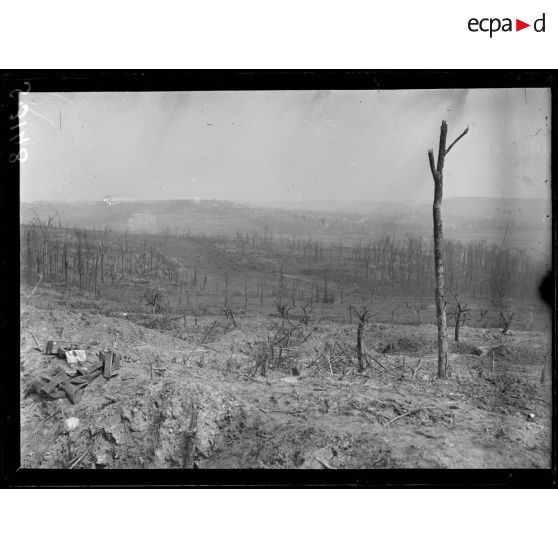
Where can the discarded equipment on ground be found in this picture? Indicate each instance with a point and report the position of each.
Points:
(71, 382)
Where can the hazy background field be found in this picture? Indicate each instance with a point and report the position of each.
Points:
(236, 254)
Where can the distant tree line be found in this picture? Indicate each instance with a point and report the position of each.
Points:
(87, 259)
(396, 266)
(271, 269)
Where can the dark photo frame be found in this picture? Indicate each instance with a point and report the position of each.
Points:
(13, 475)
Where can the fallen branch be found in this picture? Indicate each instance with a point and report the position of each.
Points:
(406, 414)
(208, 333)
(323, 463)
(78, 460)
(38, 425)
(33, 291)
(378, 362)
(371, 419)
(416, 369)
(35, 339)
(46, 418)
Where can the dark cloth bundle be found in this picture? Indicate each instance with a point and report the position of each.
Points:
(60, 384)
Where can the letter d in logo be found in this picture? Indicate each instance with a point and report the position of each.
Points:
(539, 24)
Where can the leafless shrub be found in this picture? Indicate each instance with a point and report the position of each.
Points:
(307, 310)
(154, 297)
(283, 310)
(460, 315)
(506, 319)
(260, 359)
(229, 315)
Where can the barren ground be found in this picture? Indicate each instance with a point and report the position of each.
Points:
(211, 408)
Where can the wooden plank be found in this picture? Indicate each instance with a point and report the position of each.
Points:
(107, 367)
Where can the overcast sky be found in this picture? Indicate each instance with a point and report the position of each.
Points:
(284, 145)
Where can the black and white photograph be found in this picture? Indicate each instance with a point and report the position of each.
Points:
(294, 279)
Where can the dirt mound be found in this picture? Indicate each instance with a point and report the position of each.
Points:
(520, 353)
(464, 348)
(400, 346)
(197, 402)
(167, 424)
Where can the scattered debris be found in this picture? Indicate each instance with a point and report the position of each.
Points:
(107, 360)
(51, 348)
(247, 421)
(76, 357)
(71, 382)
(406, 414)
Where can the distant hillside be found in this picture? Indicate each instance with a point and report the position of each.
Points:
(496, 208)
(144, 216)
(360, 207)
(463, 208)
(523, 223)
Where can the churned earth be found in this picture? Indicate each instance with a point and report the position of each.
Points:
(265, 392)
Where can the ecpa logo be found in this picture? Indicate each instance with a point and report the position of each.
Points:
(494, 24)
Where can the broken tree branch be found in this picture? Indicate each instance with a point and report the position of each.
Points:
(455, 141)
(416, 369)
(406, 414)
(35, 339)
(74, 463)
(377, 362)
(33, 291)
(323, 463)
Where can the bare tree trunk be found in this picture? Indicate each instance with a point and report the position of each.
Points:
(96, 267)
(66, 263)
(438, 175)
(360, 330)
(460, 315)
(363, 316)
(245, 289)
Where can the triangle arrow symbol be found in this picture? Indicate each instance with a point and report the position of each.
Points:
(519, 25)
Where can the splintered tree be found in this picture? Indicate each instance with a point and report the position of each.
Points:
(438, 175)
(506, 319)
(459, 315)
(363, 316)
(154, 297)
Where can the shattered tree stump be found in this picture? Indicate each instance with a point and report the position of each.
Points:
(111, 361)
